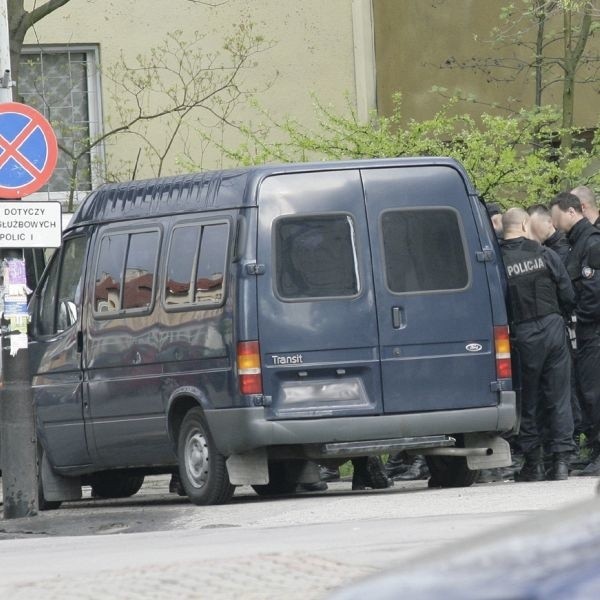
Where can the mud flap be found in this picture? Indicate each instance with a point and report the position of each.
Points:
(55, 487)
(500, 456)
(249, 468)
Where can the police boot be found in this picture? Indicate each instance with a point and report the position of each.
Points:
(533, 468)
(417, 470)
(560, 466)
(369, 473)
(397, 464)
(593, 469)
(377, 477)
(317, 486)
(329, 473)
(175, 485)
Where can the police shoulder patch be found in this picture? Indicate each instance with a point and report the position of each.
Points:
(587, 272)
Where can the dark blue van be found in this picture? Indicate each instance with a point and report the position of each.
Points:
(242, 326)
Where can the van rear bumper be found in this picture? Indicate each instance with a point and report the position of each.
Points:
(238, 430)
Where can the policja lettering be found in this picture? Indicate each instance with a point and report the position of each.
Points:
(525, 266)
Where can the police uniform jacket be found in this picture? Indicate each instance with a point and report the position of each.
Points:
(560, 244)
(583, 270)
(538, 282)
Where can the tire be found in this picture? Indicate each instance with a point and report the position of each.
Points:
(115, 484)
(202, 469)
(281, 481)
(450, 471)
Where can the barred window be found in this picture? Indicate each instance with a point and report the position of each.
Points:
(62, 84)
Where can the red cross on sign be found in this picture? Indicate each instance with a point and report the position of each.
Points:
(28, 150)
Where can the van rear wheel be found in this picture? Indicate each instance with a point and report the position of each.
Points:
(450, 471)
(202, 469)
(115, 484)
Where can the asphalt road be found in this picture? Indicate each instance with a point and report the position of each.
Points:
(302, 546)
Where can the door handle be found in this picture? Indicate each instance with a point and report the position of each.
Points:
(398, 317)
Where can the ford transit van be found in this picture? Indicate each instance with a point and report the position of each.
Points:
(244, 326)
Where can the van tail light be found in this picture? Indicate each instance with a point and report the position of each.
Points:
(248, 366)
(502, 345)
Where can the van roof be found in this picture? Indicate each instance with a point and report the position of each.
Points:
(212, 190)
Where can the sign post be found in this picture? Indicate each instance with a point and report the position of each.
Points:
(28, 153)
(5, 78)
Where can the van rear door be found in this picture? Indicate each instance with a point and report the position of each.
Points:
(432, 295)
(316, 306)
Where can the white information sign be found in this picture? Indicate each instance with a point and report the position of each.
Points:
(30, 224)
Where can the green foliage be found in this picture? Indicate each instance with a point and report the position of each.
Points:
(511, 159)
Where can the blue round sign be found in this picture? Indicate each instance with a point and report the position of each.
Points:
(28, 150)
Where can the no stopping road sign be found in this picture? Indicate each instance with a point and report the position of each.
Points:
(28, 150)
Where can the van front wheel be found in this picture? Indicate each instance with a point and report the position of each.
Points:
(202, 469)
(450, 471)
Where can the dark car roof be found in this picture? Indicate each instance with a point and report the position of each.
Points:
(209, 190)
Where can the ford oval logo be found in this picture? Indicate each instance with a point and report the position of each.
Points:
(474, 347)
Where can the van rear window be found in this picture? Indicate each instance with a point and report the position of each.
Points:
(423, 250)
(316, 257)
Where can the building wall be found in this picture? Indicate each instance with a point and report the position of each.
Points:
(312, 51)
(415, 40)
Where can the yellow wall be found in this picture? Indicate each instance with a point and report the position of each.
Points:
(415, 38)
(312, 50)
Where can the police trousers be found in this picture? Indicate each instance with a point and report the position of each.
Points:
(546, 383)
(587, 367)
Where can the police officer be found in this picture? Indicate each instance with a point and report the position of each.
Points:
(582, 266)
(539, 292)
(589, 205)
(495, 212)
(543, 231)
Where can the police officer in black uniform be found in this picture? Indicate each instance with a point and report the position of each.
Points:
(589, 204)
(543, 231)
(539, 292)
(583, 267)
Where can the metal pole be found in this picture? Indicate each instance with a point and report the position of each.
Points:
(18, 442)
(5, 71)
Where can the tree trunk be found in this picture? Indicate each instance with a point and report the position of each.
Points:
(573, 50)
(19, 22)
(540, 15)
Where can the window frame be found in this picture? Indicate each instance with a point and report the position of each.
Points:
(194, 306)
(94, 105)
(355, 248)
(59, 256)
(129, 231)
(463, 240)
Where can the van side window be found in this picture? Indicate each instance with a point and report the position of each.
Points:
(196, 265)
(316, 257)
(423, 250)
(60, 294)
(140, 270)
(126, 271)
(107, 294)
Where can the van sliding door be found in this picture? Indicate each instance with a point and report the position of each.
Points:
(432, 296)
(317, 321)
